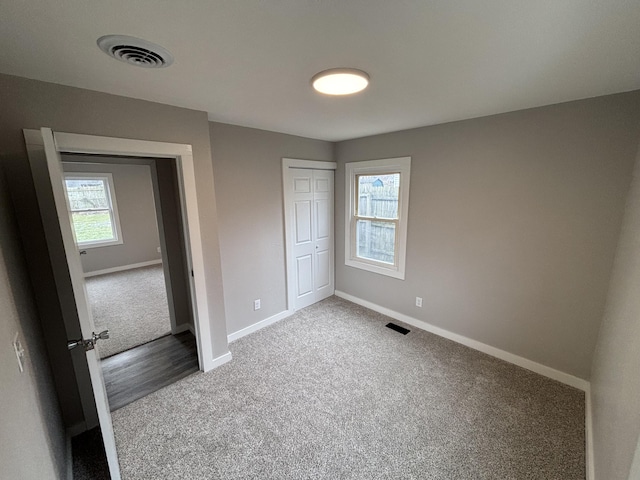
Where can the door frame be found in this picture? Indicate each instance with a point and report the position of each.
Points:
(287, 165)
(183, 156)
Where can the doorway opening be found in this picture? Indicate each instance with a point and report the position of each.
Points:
(126, 217)
(63, 283)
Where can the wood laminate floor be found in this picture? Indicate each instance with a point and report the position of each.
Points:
(142, 370)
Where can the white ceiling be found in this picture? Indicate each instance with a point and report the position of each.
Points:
(249, 62)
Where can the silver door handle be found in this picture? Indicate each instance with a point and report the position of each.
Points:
(103, 335)
(89, 344)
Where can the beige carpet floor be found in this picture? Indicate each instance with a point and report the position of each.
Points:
(330, 393)
(132, 305)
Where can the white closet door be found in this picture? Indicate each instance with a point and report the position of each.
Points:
(312, 232)
(323, 223)
(303, 237)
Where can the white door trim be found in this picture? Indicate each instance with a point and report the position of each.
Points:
(287, 164)
(182, 154)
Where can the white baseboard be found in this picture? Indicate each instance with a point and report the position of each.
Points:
(588, 433)
(219, 361)
(122, 268)
(543, 370)
(184, 327)
(258, 326)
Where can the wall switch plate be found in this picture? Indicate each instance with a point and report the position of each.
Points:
(419, 302)
(159, 250)
(17, 347)
(256, 304)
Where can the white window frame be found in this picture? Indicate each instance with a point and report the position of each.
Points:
(401, 165)
(113, 208)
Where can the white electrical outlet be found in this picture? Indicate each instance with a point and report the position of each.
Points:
(159, 250)
(419, 302)
(256, 304)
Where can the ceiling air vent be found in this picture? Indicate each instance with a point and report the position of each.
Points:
(135, 51)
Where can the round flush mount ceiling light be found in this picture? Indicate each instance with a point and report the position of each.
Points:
(135, 51)
(340, 81)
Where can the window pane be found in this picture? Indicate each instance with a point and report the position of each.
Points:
(93, 226)
(376, 240)
(378, 195)
(86, 194)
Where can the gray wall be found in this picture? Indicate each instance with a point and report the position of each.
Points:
(168, 199)
(615, 387)
(134, 197)
(42, 271)
(513, 225)
(33, 104)
(247, 166)
(32, 436)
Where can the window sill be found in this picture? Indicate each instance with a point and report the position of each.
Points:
(84, 246)
(390, 271)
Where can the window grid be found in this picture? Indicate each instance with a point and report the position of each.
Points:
(377, 193)
(358, 217)
(103, 201)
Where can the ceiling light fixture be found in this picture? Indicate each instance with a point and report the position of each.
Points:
(340, 81)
